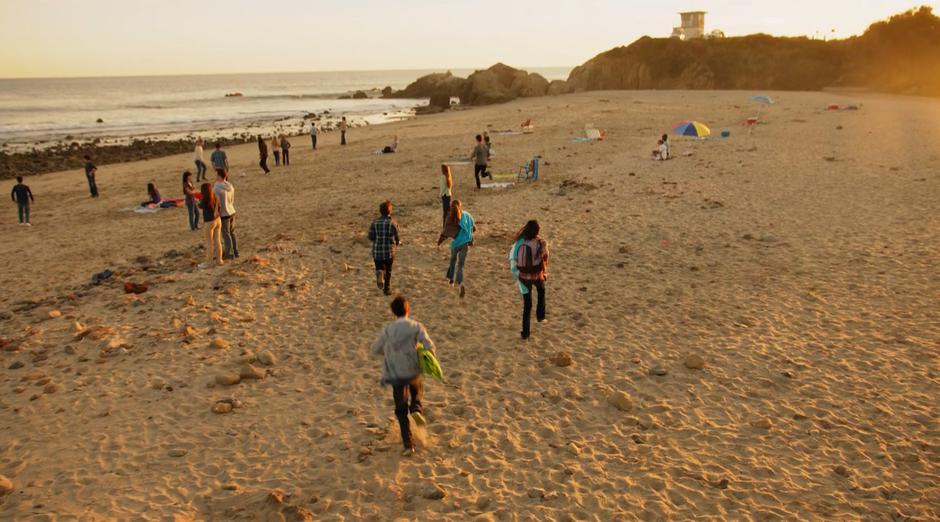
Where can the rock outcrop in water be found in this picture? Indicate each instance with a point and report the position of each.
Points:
(500, 83)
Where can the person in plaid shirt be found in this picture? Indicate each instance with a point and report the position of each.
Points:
(383, 232)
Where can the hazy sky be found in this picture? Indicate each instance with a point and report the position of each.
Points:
(136, 37)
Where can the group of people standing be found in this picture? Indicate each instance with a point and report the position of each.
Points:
(280, 147)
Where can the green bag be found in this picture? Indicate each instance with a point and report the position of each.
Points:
(428, 363)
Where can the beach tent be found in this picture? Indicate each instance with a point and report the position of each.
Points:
(692, 128)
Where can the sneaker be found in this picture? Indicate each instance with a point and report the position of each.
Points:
(419, 419)
(379, 279)
(28, 224)
(409, 452)
(463, 291)
(543, 321)
(202, 265)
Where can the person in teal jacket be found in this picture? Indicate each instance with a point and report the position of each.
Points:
(459, 226)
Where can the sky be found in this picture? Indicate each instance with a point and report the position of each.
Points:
(67, 38)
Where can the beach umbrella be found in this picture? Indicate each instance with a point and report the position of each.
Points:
(692, 128)
(766, 100)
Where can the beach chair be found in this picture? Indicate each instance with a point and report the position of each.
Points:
(530, 171)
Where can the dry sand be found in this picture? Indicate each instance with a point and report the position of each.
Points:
(799, 264)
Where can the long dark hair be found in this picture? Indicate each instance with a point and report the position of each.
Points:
(529, 231)
(208, 197)
(151, 189)
(456, 210)
(186, 175)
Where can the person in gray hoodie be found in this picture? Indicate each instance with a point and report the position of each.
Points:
(398, 344)
(225, 192)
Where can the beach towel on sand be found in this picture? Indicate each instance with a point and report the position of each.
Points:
(514, 268)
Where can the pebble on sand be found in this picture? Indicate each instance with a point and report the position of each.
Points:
(562, 359)
(249, 371)
(621, 401)
(222, 407)
(227, 378)
(220, 343)
(658, 370)
(177, 452)
(694, 362)
(135, 288)
(50, 388)
(16, 365)
(763, 424)
(267, 358)
(6, 485)
(574, 449)
(54, 313)
(434, 492)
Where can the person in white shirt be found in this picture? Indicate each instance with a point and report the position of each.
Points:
(200, 164)
(313, 135)
(225, 192)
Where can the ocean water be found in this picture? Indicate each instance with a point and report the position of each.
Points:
(38, 112)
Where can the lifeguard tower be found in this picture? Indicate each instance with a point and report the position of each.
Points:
(693, 26)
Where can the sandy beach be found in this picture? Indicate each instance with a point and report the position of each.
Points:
(752, 327)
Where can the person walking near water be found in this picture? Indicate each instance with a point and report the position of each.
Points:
(480, 157)
(383, 232)
(285, 150)
(397, 344)
(219, 160)
(91, 172)
(343, 127)
(447, 184)
(22, 196)
(263, 155)
(276, 150)
(189, 192)
(528, 262)
(200, 164)
(210, 216)
(459, 226)
(225, 193)
(313, 135)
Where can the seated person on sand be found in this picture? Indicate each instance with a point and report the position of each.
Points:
(389, 149)
(153, 194)
(661, 153)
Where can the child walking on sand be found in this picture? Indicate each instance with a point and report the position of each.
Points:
(459, 226)
(397, 343)
(528, 261)
(22, 196)
(383, 232)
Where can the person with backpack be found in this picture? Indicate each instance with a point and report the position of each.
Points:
(459, 226)
(398, 344)
(528, 261)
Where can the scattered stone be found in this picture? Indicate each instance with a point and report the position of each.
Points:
(694, 362)
(189, 332)
(658, 370)
(841, 471)
(221, 407)
(6, 485)
(69, 349)
(250, 371)
(54, 313)
(135, 288)
(16, 365)
(621, 401)
(638, 439)
(267, 358)
(574, 449)
(434, 492)
(762, 424)
(227, 378)
(562, 359)
(721, 484)
(538, 493)
(230, 487)
(221, 343)
(50, 388)
(177, 453)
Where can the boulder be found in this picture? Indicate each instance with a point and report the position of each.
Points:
(387, 92)
(694, 362)
(135, 288)
(359, 95)
(621, 401)
(441, 100)
(6, 485)
(558, 87)
(431, 84)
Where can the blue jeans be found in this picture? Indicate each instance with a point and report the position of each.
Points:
(22, 209)
(193, 209)
(200, 170)
(92, 185)
(457, 256)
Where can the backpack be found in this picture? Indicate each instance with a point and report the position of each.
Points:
(529, 257)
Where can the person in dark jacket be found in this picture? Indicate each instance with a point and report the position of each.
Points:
(263, 154)
(22, 196)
